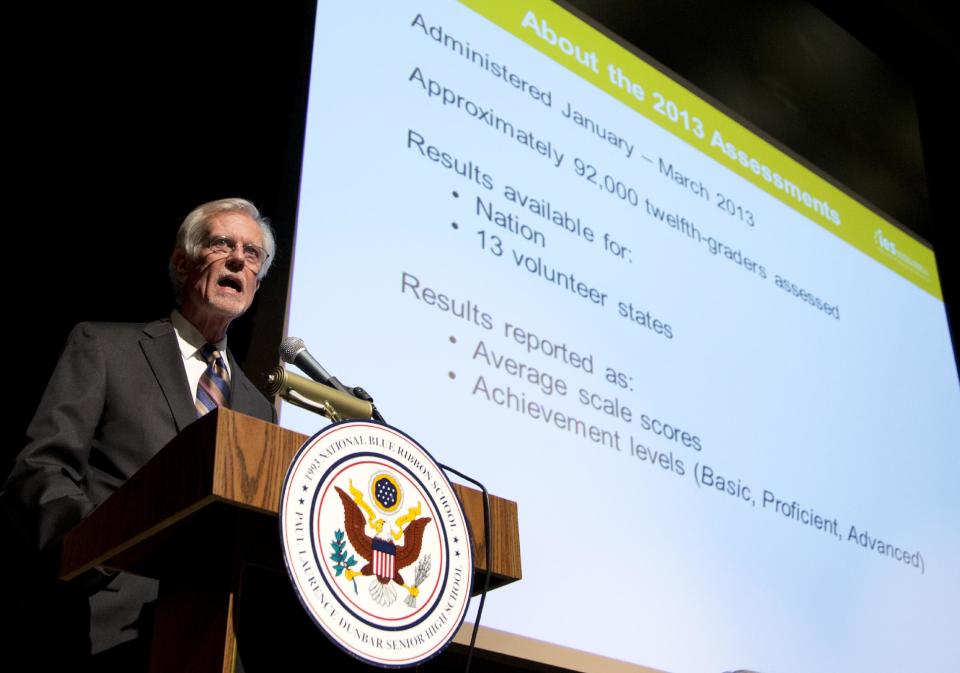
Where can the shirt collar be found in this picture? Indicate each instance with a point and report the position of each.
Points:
(189, 338)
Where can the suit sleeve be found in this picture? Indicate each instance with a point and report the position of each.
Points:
(45, 489)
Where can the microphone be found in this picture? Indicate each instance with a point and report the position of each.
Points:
(294, 351)
(317, 397)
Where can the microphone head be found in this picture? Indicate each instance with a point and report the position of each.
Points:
(289, 348)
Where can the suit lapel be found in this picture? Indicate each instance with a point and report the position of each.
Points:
(240, 388)
(162, 352)
(247, 399)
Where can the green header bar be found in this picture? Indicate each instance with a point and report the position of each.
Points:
(607, 65)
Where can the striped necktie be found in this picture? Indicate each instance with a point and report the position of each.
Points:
(213, 390)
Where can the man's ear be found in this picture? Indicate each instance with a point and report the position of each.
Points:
(180, 262)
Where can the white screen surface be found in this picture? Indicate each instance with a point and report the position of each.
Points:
(676, 526)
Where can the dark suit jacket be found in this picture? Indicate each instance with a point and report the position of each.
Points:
(118, 395)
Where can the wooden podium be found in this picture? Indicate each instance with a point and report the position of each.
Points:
(203, 512)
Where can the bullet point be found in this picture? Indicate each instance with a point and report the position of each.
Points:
(453, 339)
(452, 375)
(455, 195)
(454, 225)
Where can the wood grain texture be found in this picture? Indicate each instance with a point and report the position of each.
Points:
(251, 461)
(504, 533)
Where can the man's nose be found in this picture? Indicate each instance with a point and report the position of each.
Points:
(235, 259)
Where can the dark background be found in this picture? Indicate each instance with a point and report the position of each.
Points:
(122, 119)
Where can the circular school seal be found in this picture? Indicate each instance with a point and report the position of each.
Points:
(376, 543)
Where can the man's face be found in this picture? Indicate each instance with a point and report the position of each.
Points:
(219, 286)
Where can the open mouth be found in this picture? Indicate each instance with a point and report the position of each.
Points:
(231, 283)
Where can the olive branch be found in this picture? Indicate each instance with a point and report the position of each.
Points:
(339, 556)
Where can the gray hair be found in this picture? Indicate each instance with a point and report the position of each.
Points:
(196, 226)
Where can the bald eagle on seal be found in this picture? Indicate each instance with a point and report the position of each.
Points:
(384, 558)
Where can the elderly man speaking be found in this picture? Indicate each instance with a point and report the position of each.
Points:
(119, 393)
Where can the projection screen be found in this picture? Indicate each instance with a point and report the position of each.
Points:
(720, 388)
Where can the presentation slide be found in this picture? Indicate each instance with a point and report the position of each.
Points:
(720, 389)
